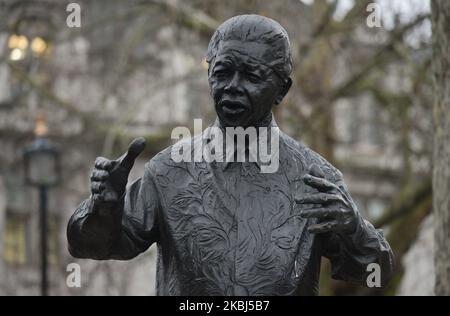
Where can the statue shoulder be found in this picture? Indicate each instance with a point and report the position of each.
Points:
(165, 158)
(307, 157)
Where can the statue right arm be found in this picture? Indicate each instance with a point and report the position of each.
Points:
(120, 231)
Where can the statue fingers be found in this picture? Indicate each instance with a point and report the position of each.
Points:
(321, 184)
(320, 198)
(97, 187)
(99, 175)
(104, 163)
(321, 213)
(315, 171)
(324, 227)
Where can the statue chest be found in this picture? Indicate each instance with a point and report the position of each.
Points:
(238, 230)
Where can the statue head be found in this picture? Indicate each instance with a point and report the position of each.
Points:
(250, 63)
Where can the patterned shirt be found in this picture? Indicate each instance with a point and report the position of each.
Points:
(228, 229)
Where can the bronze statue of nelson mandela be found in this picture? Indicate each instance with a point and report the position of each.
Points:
(226, 228)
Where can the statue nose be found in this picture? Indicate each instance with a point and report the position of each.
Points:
(233, 86)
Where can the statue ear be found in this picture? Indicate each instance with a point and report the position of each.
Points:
(284, 90)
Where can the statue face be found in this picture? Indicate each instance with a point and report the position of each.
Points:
(243, 85)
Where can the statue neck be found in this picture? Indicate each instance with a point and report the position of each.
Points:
(265, 122)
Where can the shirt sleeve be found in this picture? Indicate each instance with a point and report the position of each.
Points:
(117, 234)
(353, 255)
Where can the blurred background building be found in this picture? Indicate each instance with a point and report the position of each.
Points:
(361, 97)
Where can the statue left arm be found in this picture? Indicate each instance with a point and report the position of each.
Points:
(351, 255)
(349, 241)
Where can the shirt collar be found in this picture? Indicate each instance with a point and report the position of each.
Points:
(253, 159)
(271, 123)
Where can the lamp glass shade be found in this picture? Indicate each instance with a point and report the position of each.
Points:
(42, 164)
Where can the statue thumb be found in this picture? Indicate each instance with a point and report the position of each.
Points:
(134, 150)
(315, 171)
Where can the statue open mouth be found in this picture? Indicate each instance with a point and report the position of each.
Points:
(232, 107)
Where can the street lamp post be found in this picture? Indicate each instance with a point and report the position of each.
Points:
(43, 171)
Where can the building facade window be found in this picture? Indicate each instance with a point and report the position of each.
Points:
(21, 234)
(15, 239)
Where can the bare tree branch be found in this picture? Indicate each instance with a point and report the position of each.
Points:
(380, 58)
(407, 203)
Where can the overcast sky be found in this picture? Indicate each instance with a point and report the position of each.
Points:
(406, 10)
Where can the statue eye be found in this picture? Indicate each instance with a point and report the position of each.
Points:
(221, 72)
(253, 77)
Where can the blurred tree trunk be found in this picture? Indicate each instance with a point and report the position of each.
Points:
(2, 229)
(441, 154)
